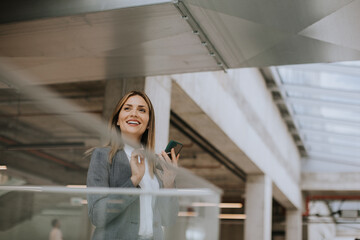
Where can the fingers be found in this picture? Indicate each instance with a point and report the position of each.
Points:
(161, 158)
(174, 159)
(137, 164)
(165, 157)
(138, 156)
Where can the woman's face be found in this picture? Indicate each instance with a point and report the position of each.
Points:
(134, 118)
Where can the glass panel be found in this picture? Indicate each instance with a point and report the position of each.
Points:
(319, 79)
(178, 214)
(340, 151)
(326, 112)
(349, 63)
(341, 141)
(330, 127)
(322, 97)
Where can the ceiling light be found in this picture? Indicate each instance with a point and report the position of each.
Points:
(230, 205)
(3, 167)
(220, 205)
(187, 214)
(203, 204)
(232, 216)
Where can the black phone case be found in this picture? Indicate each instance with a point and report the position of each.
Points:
(173, 144)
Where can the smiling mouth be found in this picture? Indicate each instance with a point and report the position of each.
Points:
(133, 122)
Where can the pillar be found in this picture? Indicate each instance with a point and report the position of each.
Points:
(116, 88)
(159, 91)
(258, 207)
(293, 229)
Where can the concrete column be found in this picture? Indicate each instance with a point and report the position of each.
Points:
(116, 88)
(293, 229)
(159, 91)
(258, 207)
(87, 228)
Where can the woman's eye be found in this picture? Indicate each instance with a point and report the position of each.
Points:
(126, 108)
(142, 110)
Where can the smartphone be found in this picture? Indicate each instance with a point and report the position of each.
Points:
(173, 144)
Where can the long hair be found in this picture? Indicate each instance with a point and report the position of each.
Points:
(148, 137)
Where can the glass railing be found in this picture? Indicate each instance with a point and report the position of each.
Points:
(28, 212)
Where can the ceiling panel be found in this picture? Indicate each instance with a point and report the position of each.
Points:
(23, 10)
(257, 33)
(121, 42)
(339, 27)
(324, 104)
(288, 16)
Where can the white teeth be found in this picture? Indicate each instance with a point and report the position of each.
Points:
(133, 122)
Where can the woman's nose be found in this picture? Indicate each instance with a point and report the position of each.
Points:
(133, 112)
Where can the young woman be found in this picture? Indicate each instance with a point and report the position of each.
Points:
(119, 165)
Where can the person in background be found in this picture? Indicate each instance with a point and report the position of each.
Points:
(55, 233)
(120, 165)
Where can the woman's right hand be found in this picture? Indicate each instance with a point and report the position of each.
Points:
(137, 164)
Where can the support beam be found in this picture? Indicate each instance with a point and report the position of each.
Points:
(159, 91)
(293, 229)
(116, 88)
(258, 208)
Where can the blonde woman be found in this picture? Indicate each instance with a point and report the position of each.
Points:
(120, 165)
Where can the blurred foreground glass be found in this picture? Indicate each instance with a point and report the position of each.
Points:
(45, 130)
(27, 212)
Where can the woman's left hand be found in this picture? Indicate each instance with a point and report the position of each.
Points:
(168, 174)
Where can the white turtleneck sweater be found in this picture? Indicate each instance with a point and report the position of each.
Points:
(146, 201)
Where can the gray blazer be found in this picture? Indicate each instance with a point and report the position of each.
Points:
(118, 216)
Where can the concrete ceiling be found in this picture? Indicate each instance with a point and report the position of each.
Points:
(141, 41)
(250, 33)
(81, 41)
